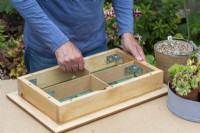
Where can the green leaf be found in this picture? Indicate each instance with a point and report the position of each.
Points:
(178, 35)
(150, 59)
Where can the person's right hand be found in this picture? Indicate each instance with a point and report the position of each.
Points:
(69, 58)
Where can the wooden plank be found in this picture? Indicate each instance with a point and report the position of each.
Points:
(38, 98)
(54, 127)
(52, 76)
(98, 62)
(111, 96)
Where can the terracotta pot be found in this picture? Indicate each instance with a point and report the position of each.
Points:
(194, 95)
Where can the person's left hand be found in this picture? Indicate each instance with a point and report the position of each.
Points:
(131, 46)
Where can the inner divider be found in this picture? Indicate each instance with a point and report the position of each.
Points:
(50, 77)
(99, 63)
(110, 76)
(75, 88)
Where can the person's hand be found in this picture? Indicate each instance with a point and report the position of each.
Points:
(130, 45)
(69, 58)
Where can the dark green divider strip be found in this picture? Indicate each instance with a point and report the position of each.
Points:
(76, 95)
(121, 80)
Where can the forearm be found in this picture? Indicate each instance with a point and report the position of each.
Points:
(124, 15)
(39, 21)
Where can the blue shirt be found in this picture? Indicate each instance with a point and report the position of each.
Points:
(51, 23)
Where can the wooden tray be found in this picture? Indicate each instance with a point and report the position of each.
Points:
(109, 78)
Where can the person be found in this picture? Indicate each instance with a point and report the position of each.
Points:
(62, 32)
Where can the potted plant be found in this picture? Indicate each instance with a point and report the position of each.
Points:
(183, 91)
(186, 79)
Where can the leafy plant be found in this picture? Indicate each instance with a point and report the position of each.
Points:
(150, 59)
(2, 37)
(6, 6)
(185, 77)
(12, 57)
(158, 20)
(111, 26)
(183, 88)
(193, 26)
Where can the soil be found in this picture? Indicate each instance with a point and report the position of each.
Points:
(194, 95)
(174, 47)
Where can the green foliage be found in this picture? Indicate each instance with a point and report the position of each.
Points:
(185, 77)
(111, 26)
(150, 59)
(6, 6)
(2, 37)
(194, 27)
(175, 69)
(9, 17)
(194, 82)
(183, 88)
(12, 58)
(11, 44)
(158, 20)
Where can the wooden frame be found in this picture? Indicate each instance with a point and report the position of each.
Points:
(58, 128)
(101, 69)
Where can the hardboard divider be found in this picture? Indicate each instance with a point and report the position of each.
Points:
(53, 76)
(76, 86)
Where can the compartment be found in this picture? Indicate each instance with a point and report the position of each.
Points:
(70, 90)
(106, 60)
(122, 73)
(53, 76)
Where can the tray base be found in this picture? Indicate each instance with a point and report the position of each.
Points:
(54, 127)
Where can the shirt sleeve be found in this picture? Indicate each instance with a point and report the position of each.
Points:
(39, 21)
(124, 14)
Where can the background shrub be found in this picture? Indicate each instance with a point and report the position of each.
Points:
(158, 19)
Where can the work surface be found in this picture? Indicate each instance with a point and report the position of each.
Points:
(151, 117)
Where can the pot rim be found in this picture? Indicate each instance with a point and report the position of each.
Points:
(172, 54)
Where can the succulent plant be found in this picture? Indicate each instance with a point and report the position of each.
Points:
(185, 77)
(183, 87)
(175, 69)
(194, 83)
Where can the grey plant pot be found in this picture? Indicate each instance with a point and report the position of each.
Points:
(183, 108)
